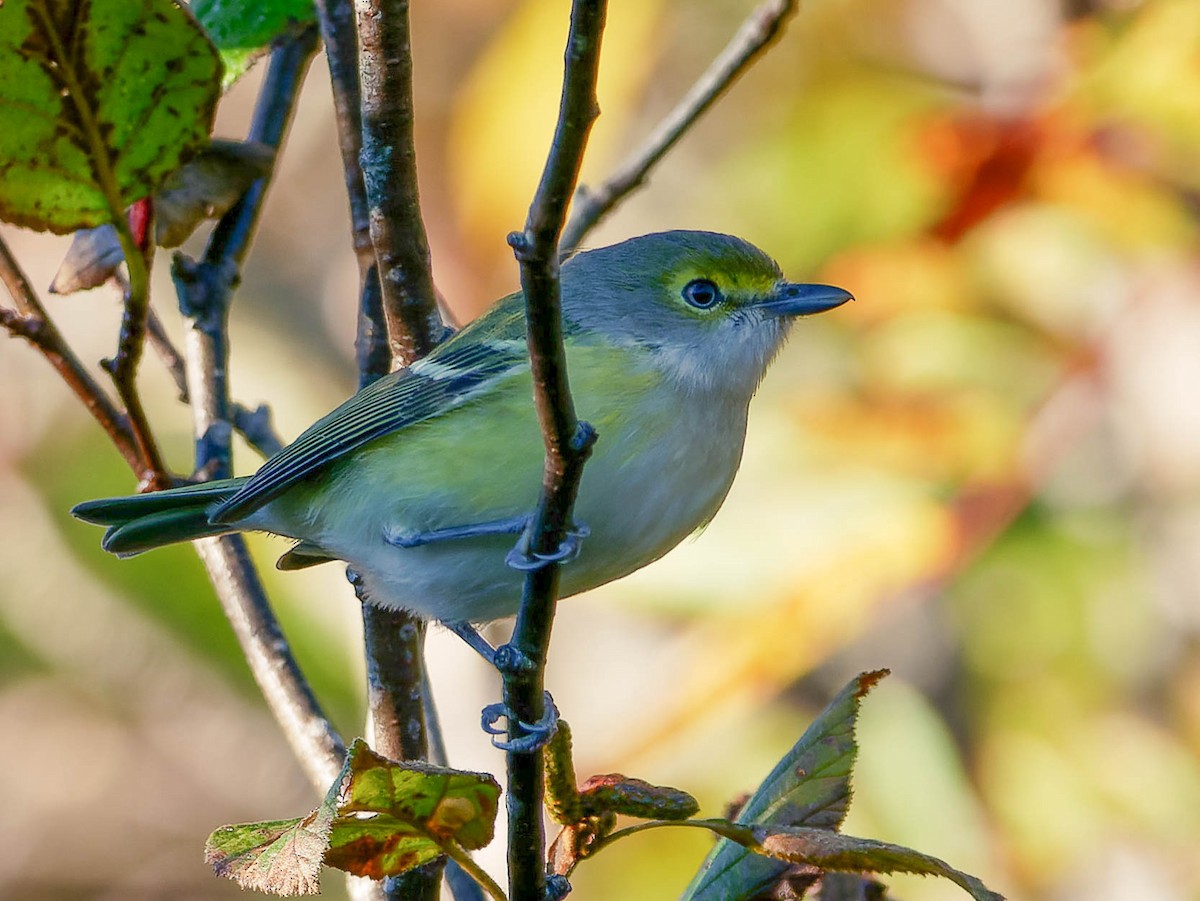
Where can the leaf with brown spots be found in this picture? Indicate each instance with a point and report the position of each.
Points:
(396, 816)
(380, 818)
(100, 100)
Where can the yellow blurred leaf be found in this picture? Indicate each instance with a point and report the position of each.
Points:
(505, 114)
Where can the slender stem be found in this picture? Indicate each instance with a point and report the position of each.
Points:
(337, 23)
(31, 322)
(317, 746)
(205, 289)
(760, 29)
(388, 160)
(567, 440)
(341, 51)
(478, 873)
(167, 352)
(131, 341)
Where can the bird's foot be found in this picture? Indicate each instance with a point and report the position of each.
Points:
(522, 559)
(535, 734)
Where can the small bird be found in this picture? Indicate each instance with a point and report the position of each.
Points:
(423, 480)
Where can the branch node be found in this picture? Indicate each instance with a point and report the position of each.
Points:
(584, 439)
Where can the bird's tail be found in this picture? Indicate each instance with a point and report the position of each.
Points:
(144, 521)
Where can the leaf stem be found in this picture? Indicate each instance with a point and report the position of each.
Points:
(478, 873)
(205, 290)
(760, 29)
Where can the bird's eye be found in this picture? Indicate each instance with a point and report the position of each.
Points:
(702, 293)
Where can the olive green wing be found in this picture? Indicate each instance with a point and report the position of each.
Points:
(466, 367)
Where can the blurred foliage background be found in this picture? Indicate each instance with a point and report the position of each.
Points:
(985, 474)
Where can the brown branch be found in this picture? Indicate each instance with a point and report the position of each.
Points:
(388, 161)
(31, 322)
(205, 290)
(341, 52)
(134, 233)
(760, 29)
(313, 740)
(568, 441)
(397, 322)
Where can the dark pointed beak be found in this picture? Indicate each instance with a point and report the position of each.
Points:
(804, 300)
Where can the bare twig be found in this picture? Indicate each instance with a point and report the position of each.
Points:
(398, 320)
(137, 245)
(31, 322)
(253, 425)
(314, 741)
(567, 440)
(341, 51)
(764, 24)
(205, 290)
(160, 341)
(388, 161)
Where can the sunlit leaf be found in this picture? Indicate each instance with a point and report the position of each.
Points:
(809, 787)
(99, 102)
(282, 857)
(832, 851)
(379, 818)
(393, 816)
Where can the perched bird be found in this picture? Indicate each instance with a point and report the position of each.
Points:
(423, 480)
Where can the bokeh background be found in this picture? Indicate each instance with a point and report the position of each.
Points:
(984, 474)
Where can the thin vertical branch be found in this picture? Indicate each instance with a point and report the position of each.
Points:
(760, 29)
(568, 441)
(138, 251)
(389, 168)
(341, 52)
(205, 290)
(398, 320)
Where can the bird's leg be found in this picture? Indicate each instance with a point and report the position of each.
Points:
(522, 559)
(474, 640)
(506, 658)
(536, 734)
(514, 525)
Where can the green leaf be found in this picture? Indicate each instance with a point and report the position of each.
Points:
(833, 851)
(244, 30)
(810, 786)
(100, 100)
(379, 818)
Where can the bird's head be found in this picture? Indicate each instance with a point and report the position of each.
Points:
(712, 308)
